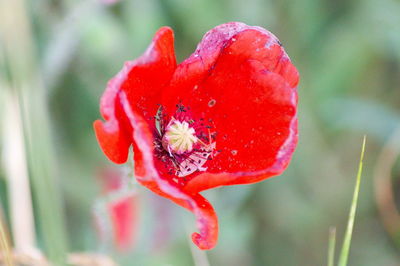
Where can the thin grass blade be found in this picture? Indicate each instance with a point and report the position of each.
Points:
(344, 254)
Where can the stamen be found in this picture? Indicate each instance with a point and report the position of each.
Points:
(179, 137)
(183, 144)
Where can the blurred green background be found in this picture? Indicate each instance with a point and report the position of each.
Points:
(348, 56)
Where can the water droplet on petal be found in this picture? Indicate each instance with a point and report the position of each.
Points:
(211, 103)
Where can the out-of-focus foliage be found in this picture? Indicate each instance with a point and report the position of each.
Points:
(348, 56)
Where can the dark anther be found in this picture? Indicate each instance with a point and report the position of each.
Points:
(180, 108)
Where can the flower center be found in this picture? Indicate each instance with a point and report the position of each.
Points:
(183, 144)
(179, 137)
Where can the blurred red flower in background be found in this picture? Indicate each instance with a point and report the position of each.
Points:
(116, 211)
(226, 115)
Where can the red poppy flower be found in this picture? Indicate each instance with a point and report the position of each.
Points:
(224, 116)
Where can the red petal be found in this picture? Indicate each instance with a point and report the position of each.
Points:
(250, 83)
(142, 81)
(148, 175)
(256, 43)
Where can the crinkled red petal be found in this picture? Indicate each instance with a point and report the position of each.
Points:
(128, 105)
(142, 80)
(242, 80)
(148, 175)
